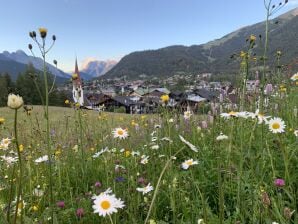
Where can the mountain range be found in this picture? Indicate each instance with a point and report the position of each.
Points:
(15, 63)
(214, 56)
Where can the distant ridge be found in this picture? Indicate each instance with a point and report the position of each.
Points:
(213, 56)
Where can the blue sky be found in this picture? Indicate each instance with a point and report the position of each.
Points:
(110, 29)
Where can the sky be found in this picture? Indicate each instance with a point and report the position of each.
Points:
(111, 29)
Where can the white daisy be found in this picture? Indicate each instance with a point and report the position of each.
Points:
(120, 133)
(296, 133)
(135, 153)
(144, 159)
(171, 120)
(191, 146)
(167, 139)
(221, 137)
(9, 159)
(187, 163)
(261, 117)
(42, 159)
(276, 125)
(153, 139)
(106, 204)
(38, 192)
(230, 114)
(187, 114)
(294, 77)
(155, 147)
(5, 142)
(145, 189)
(157, 126)
(97, 154)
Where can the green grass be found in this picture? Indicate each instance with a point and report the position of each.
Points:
(228, 185)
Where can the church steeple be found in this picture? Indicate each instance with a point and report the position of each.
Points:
(77, 92)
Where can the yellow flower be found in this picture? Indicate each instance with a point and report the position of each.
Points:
(92, 149)
(127, 153)
(34, 208)
(66, 101)
(143, 117)
(21, 148)
(77, 105)
(2, 120)
(43, 32)
(74, 76)
(252, 38)
(165, 98)
(242, 54)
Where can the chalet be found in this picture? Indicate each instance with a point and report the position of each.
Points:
(130, 104)
(208, 95)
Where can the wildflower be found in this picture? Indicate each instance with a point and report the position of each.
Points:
(37, 192)
(127, 153)
(252, 38)
(97, 184)
(191, 146)
(265, 199)
(100, 152)
(153, 139)
(106, 204)
(60, 204)
(166, 139)
(66, 102)
(9, 160)
(187, 163)
(144, 159)
(294, 77)
(5, 142)
(200, 221)
(288, 213)
(276, 125)
(120, 133)
(157, 126)
(187, 114)
(21, 148)
(155, 147)
(171, 120)
(80, 213)
(2, 120)
(279, 182)
(14, 101)
(42, 159)
(34, 208)
(119, 179)
(135, 153)
(43, 32)
(165, 98)
(145, 189)
(261, 117)
(296, 133)
(152, 221)
(221, 137)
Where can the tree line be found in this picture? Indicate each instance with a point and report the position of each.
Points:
(27, 85)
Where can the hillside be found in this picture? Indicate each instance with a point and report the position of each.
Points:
(213, 56)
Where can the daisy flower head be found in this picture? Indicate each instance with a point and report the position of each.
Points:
(120, 133)
(145, 189)
(296, 133)
(42, 159)
(294, 77)
(144, 159)
(106, 204)
(5, 142)
(187, 163)
(221, 137)
(276, 125)
(187, 114)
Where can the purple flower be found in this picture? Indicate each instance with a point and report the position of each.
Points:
(80, 212)
(141, 180)
(60, 204)
(119, 179)
(279, 182)
(97, 184)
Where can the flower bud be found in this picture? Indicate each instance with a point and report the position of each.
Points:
(55, 62)
(43, 32)
(31, 34)
(34, 34)
(30, 46)
(54, 37)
